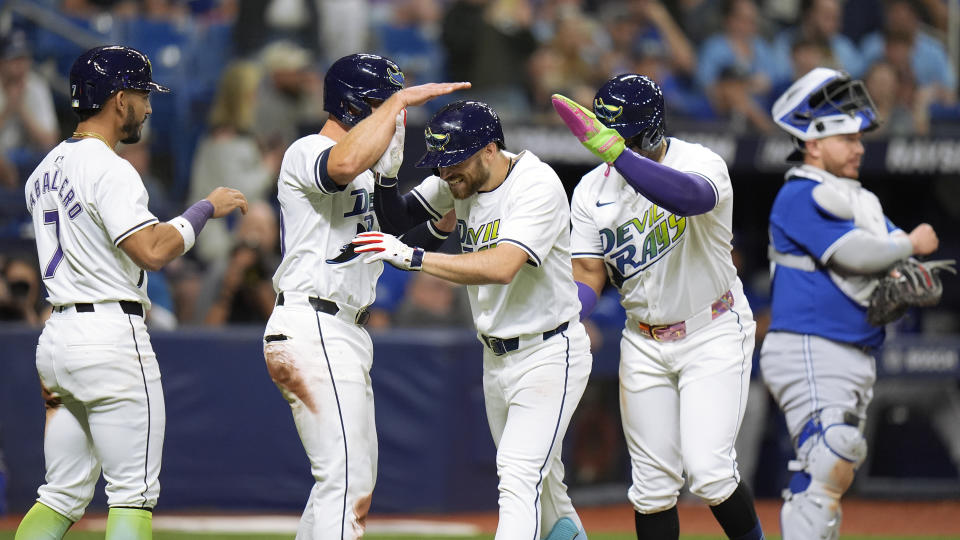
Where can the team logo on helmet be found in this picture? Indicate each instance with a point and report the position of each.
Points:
(606, 112)
(395, 76)
(436, 142)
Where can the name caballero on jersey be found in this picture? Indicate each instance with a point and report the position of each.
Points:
(638, 243)
(49, 183)
(483, 237)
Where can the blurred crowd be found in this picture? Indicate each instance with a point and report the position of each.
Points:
(247, 79)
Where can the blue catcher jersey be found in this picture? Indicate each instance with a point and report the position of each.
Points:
(822, 302)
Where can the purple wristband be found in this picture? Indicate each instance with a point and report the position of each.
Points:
(198, 214)
(684, 194)
(588, 299)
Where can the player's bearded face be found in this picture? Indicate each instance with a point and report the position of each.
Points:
(842, 154)
(467, 177)
(133, 121)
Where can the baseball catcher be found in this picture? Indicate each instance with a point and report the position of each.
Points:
(841, 269)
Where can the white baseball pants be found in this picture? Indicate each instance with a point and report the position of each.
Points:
(530, 396)
(681, 404)
(104, 370)
(322, 368)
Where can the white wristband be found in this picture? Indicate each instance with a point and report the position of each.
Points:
(185, 229)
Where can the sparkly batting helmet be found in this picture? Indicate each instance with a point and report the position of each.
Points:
(632, 105)
(101, 71)
(458, 131)
(822, 103)
(355, 82)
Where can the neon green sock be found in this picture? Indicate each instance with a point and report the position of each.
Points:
(42, 523)
(129, 524)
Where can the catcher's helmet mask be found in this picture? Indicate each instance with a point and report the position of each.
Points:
(357, 83)
(633, 106)
(100, 72)
(458, 131)
(823, 103)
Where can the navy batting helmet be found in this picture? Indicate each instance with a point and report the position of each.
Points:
(353, 80)
(459, 130)
(632, 105)
(101, 71)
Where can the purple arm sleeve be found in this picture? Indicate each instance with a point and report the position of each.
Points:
(684, 194)
(588, 299)
(198, 214)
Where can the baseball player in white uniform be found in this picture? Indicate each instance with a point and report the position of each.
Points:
(829, 242)
(513, 223)
(656, 219)
(95, 237)
(315, 347)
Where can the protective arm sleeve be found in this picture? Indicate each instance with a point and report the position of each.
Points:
(863, 253)
(424, 235)
(397, 214)
(684, 194)
(588, 299)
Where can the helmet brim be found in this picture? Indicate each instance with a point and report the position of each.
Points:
(155, 87)
(627, 131)
(430, 160)
(379, 93)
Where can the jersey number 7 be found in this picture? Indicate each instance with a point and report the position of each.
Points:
(52, 217)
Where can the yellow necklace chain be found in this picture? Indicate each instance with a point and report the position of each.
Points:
(85, 134)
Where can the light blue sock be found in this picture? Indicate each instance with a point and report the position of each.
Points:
(564, 529)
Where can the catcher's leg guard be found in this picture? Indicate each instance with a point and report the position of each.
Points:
(831, 447)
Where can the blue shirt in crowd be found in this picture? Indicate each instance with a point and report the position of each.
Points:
(929, 59)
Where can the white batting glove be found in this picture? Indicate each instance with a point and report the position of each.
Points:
(385, 247)
(387, 167)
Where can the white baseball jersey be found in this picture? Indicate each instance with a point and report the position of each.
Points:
(684, 262)
(85, 200)
(529, 209)
(317, 219)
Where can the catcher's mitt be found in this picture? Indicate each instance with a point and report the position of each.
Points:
(909, 283)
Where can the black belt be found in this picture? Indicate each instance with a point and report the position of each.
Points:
(331, 308)
(127, 306)
(501, 346)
